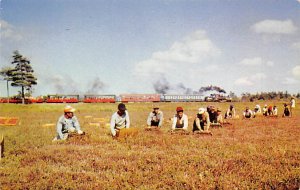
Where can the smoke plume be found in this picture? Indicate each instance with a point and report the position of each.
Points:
(161, 86)
(97, 86)
(64, 84)
(181, 89)
(211, 88)
(57, 82)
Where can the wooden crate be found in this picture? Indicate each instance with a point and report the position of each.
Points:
(130, 132)
(200, 133)
(9, 121)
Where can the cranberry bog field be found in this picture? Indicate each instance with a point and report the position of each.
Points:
(259, 153)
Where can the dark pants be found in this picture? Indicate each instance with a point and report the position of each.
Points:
(195, 128)
(270, 112)
(286, 112)
(154, 123)
(179, 127)
(248, 116)
(228, 115)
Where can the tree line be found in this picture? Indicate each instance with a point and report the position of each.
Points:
(280, 95)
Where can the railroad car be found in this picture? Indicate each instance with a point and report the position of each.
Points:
(182, 98)
(92, 98)
(140, 97)
(73, 98)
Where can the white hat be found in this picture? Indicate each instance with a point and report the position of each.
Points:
(201, 110)
(69, 109)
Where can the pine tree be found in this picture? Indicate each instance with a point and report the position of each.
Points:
(22, 75)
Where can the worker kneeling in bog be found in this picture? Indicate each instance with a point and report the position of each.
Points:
(202, 121)
(66, 124)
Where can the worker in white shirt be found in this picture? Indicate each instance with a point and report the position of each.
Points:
(202, 121)
(155, 118)
(292, 104)
(275, 111)
(230, 113)
(67, 123)
(257, 109)
(119, 120)
(247, 113)
(180, 120)
(265, 110)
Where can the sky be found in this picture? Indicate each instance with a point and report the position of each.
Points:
(131, 46)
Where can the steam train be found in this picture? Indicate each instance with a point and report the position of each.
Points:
(121, 98)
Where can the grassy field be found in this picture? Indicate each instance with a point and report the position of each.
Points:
(261, 153)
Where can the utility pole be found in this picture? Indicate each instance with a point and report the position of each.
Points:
(7, 87)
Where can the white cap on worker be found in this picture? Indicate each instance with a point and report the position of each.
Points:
(69, 109)
(201, 110)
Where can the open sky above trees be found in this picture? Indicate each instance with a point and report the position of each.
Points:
(102, 46)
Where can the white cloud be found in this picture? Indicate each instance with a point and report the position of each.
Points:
(295, 80)
(258, 76)
(149, 66)
(296, 45)
(192, 49)
(290, 81)
(250, 80)
(274, 27)
(296, 71)
(7, 31)
(270, 63)
(252, 61)
(189, 61)
(244, 81)
(182, 55)
(298, 1)
(256, 61)
(211, 68)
